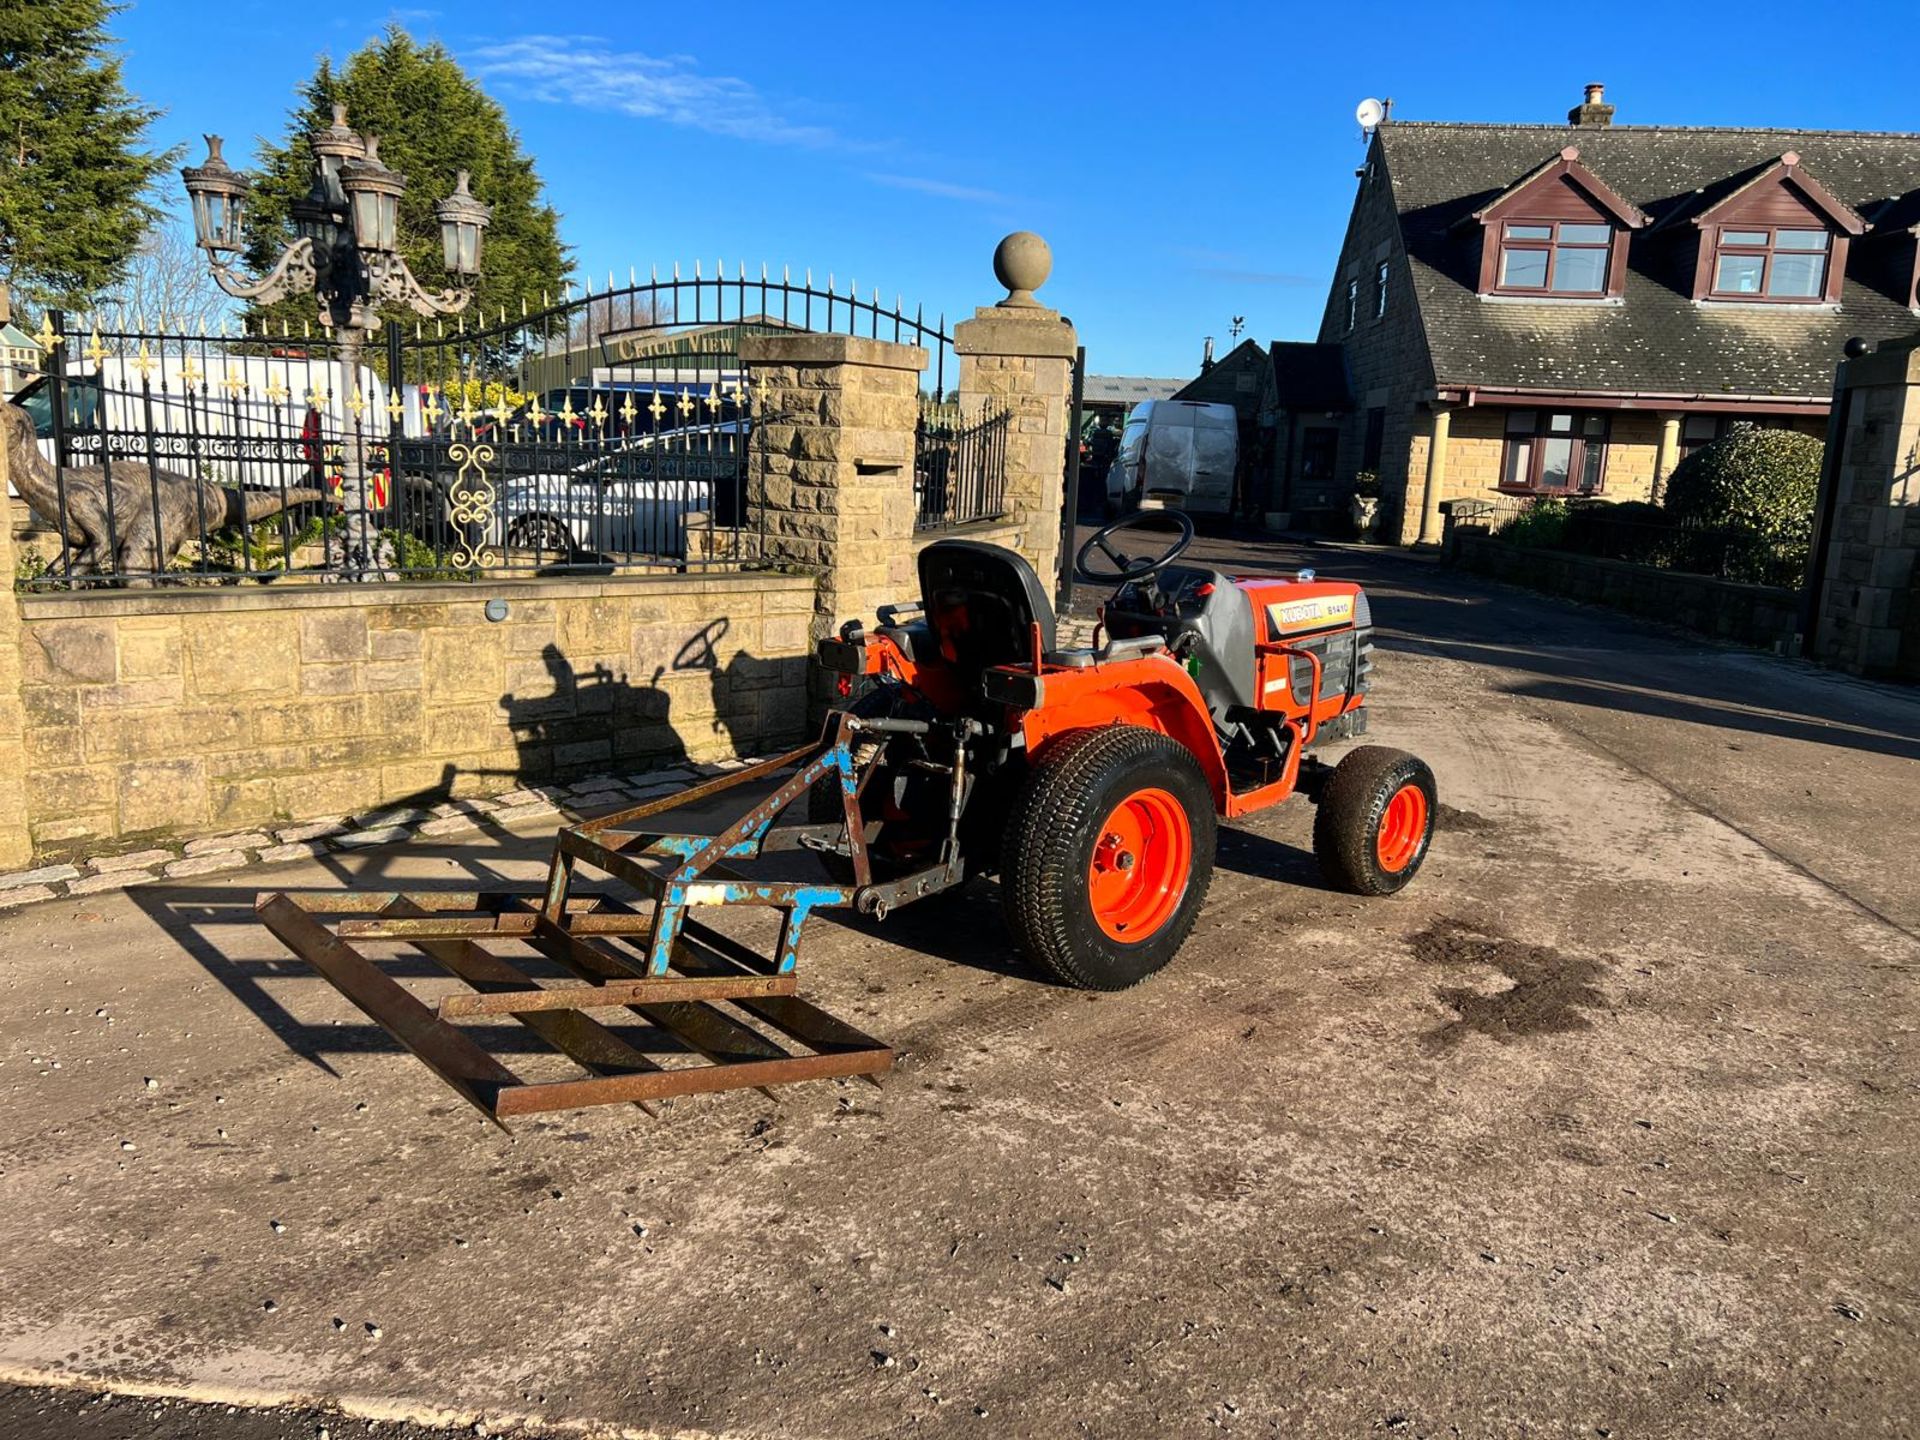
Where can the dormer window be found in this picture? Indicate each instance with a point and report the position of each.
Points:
(1554, 257)
(1770, 264)
(1777, 236)
(1559, 232)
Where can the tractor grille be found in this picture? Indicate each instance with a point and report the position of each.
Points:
(1346, 659)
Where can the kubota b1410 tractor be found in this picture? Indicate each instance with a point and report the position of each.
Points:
(1092, 779)
(965, 742)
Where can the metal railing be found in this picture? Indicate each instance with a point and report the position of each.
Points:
(606, 430)
(1592, 528)
(959, 467)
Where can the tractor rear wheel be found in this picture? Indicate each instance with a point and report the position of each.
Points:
(1375, 820)
(1108, 856)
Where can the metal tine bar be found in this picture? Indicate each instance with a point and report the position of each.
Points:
(623, 819)
(348, 902)
(697, 1080)
(480, 1079)
(786, 1012)
(583, 1040)
(614, 995)
(721, 1039)
(454, 927)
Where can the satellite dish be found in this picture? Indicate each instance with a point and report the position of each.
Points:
(1369, 113)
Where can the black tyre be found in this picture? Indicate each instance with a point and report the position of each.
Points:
(1108, 856)
(539, 531)
(1375, 821)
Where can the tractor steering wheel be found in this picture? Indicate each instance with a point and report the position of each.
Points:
(1127, 567)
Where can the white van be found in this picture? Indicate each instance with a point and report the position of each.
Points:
(245, 420)
(1176, 455)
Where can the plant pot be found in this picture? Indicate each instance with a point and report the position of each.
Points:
(1365, 510)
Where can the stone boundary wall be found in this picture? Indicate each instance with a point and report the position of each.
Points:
(1758, 615)
(151, 714)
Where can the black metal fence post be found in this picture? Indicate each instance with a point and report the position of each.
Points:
(1070, 513)
(57, 416)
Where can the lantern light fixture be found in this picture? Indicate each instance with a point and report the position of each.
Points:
(373, 201)
(219, 195)
(463, 220)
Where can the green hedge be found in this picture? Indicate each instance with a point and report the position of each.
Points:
(1764, 481)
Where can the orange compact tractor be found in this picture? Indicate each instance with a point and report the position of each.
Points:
(964, 742)
(1094, 778)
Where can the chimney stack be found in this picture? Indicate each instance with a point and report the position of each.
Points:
(1595, 111)
(1206, 356)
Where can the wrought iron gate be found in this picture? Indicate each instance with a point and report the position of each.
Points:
(617, 428)
(606, 429)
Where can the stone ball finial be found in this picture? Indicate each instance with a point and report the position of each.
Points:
(1022, 262)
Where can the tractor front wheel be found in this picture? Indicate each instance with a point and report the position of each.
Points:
(1108, 857)
(1375, 820)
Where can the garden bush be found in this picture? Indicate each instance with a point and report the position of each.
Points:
(1764, 481)
(1541, 526)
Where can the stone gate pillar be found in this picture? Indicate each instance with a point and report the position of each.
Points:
(830, 478)
(1868, 620)
(16, 841)
(1018, 355)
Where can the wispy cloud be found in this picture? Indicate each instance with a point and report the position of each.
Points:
(940, 188)
(1202, 256)
(586, 71)
(1253, 277)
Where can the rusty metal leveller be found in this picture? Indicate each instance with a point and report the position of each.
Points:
(660, 963)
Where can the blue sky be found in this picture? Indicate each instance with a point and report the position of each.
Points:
(1188, 163)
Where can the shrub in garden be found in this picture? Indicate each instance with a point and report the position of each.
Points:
(1541, 526)
(1627, 530)
(1758, 488)
(1749, 479)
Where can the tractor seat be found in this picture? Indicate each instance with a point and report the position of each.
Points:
(981, 604)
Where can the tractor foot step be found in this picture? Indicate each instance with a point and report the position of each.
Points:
(722, 1018)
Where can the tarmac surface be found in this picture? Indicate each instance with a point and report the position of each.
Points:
(1606, 1126)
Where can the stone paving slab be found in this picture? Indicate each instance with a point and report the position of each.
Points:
(282, 845)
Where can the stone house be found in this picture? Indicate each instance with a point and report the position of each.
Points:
(1569, 309)
(20, 359)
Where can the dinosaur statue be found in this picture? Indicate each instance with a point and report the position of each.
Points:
(140, 537)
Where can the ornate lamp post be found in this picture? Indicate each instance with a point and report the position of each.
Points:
(347, 256)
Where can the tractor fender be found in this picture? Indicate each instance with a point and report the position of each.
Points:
(1153, 692)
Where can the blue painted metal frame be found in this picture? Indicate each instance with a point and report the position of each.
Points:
(699, 875)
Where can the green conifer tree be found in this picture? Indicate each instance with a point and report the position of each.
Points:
(433, 121)
(74, 163)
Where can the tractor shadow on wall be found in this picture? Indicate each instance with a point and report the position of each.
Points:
(579, 725)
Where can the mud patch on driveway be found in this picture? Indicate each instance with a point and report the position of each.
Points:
(1547, 994)
(1449, 817)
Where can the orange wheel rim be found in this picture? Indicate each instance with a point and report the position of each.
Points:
(1403, 828)
(1140, 865)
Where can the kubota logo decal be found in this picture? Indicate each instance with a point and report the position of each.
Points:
(1311, 614)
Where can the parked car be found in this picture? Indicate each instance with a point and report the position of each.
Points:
(632, 498)
(1176, 455)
